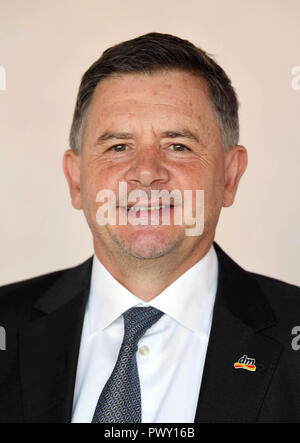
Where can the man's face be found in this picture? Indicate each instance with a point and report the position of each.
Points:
(154, 132)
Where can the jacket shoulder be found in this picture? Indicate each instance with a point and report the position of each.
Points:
(274, 288)
(283, 297)
(13, 295)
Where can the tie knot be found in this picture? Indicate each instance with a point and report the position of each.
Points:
(138, 320)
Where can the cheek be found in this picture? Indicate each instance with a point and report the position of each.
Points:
(96, 178)
(90, 183)
(215, 183)
(208, 177)
(204, 174)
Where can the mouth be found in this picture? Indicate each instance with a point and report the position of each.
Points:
(146, 212)
(146, 208)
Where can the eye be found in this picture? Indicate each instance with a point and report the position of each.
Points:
(179, 148)
(118, 148)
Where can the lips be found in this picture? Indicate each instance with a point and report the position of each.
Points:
(145, 213)
(135, 208)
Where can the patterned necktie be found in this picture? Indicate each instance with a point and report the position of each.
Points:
(120, 400)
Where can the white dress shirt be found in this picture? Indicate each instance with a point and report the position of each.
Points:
(170, 355)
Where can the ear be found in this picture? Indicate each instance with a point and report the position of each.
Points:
(236, 160)
(71, 167)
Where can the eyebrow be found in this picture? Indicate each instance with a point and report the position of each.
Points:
(183, 133)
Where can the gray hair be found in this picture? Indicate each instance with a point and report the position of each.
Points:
(157, 52)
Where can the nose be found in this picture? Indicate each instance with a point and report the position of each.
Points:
(147, 168)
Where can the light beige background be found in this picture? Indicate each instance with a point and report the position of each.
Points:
(45, 47)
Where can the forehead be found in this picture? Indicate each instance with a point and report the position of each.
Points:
(139, 103)
(170, 90)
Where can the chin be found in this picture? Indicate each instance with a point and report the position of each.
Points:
(147, 253)
(150, 245)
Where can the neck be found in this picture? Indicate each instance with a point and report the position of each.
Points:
(147, 278)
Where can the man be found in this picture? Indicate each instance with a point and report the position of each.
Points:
(160, 325)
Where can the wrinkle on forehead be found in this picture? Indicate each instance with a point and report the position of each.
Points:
(141, 99)
(178, 88)
(145, 110)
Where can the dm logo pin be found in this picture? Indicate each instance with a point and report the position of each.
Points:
(246, 363)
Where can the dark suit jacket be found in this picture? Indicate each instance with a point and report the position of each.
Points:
(253, 315)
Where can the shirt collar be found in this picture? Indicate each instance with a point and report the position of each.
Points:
(188, 300)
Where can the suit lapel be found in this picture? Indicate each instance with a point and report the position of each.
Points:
(242, 317)
(49, 347)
